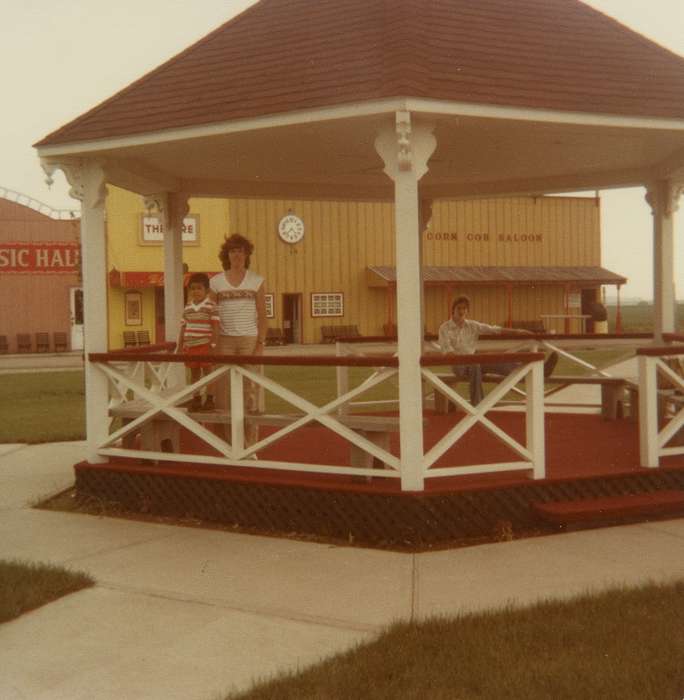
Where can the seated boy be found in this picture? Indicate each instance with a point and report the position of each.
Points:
(199, 333)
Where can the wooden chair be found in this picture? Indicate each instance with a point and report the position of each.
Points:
(328, 334)
(129, 339)
(4, 345)
(42, 342)
(143, 337)
(275, 336)
(23, 342)
(60, 341)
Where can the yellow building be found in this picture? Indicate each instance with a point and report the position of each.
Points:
(523, 259)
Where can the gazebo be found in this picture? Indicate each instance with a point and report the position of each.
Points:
(403, 100)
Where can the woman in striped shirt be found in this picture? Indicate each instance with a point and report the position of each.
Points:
(241, 298)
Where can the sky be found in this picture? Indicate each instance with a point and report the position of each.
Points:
(62, 57)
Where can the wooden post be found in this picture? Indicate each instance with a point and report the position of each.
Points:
(663, 197)
(405, 149)
(618, 313)
(648, 411)
(87, 180)
(534, 423)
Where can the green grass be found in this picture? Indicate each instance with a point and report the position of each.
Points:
(319, 385)
(625, 644)
(638, 318)
(49, 406)
(26, 586)
(42, 407)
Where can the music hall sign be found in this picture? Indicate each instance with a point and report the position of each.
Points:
(47, 257)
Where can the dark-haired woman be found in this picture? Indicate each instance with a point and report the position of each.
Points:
(241, 300)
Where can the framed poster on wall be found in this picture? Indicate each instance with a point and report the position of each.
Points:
(133, 308)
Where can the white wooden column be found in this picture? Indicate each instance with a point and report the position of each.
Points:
(405, 149)
(173, 208)
(87, 182)
(663, 197)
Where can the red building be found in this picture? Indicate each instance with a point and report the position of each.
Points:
(40, 285)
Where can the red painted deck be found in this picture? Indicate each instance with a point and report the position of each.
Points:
(587, 458)
(577, 446)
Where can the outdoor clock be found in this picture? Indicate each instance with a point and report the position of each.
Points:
(291, 228)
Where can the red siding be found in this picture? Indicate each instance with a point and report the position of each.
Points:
(32, 302)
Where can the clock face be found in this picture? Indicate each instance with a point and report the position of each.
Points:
(291, 229)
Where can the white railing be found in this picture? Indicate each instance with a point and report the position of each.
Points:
(661, 404)
(140, 384)
(141, 395)
(531, 453)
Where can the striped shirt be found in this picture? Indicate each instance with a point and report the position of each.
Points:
(237, 305)
(198, 322)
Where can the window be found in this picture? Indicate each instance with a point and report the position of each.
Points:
(329, 304)
(270, 313)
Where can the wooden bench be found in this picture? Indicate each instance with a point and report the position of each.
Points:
(129, 339)
(534, 326)
(443, 405)
(612, 391)
(162, 428)
(329, 334)
(611, 508)
(275, 336)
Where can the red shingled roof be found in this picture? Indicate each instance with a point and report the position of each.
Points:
(284, 55)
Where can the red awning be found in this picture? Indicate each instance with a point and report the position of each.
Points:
(497, 276)
(140, 280)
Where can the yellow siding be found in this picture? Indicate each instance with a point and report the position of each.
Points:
(343, 238)
(520, 231)
(117, 315)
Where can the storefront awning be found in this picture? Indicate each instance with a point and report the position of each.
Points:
(140, 280)
(382, 275)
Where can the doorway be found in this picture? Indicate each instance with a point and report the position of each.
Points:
(159, 319)
(76, 317)
(292, 317)
(589, 299)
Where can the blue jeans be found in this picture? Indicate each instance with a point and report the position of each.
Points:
(473, 373)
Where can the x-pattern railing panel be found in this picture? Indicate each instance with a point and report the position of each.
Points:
(321, 414)
(676, 422)
(166, 403)
(475, 414)
(653, 438)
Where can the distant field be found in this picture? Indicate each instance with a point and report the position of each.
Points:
(639, 317)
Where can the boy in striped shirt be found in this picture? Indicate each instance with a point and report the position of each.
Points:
(199, 333)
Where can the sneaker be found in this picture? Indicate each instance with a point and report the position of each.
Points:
(196, 403)
(550, 363)
(209, 404)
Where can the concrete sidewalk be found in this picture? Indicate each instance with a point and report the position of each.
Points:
(191, 614)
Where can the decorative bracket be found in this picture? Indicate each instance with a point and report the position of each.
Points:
(406, 147)
(663, 196)
(86, 179)
(403, 129)
(172, 206)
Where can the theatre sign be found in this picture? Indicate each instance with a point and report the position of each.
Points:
(39, 257)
